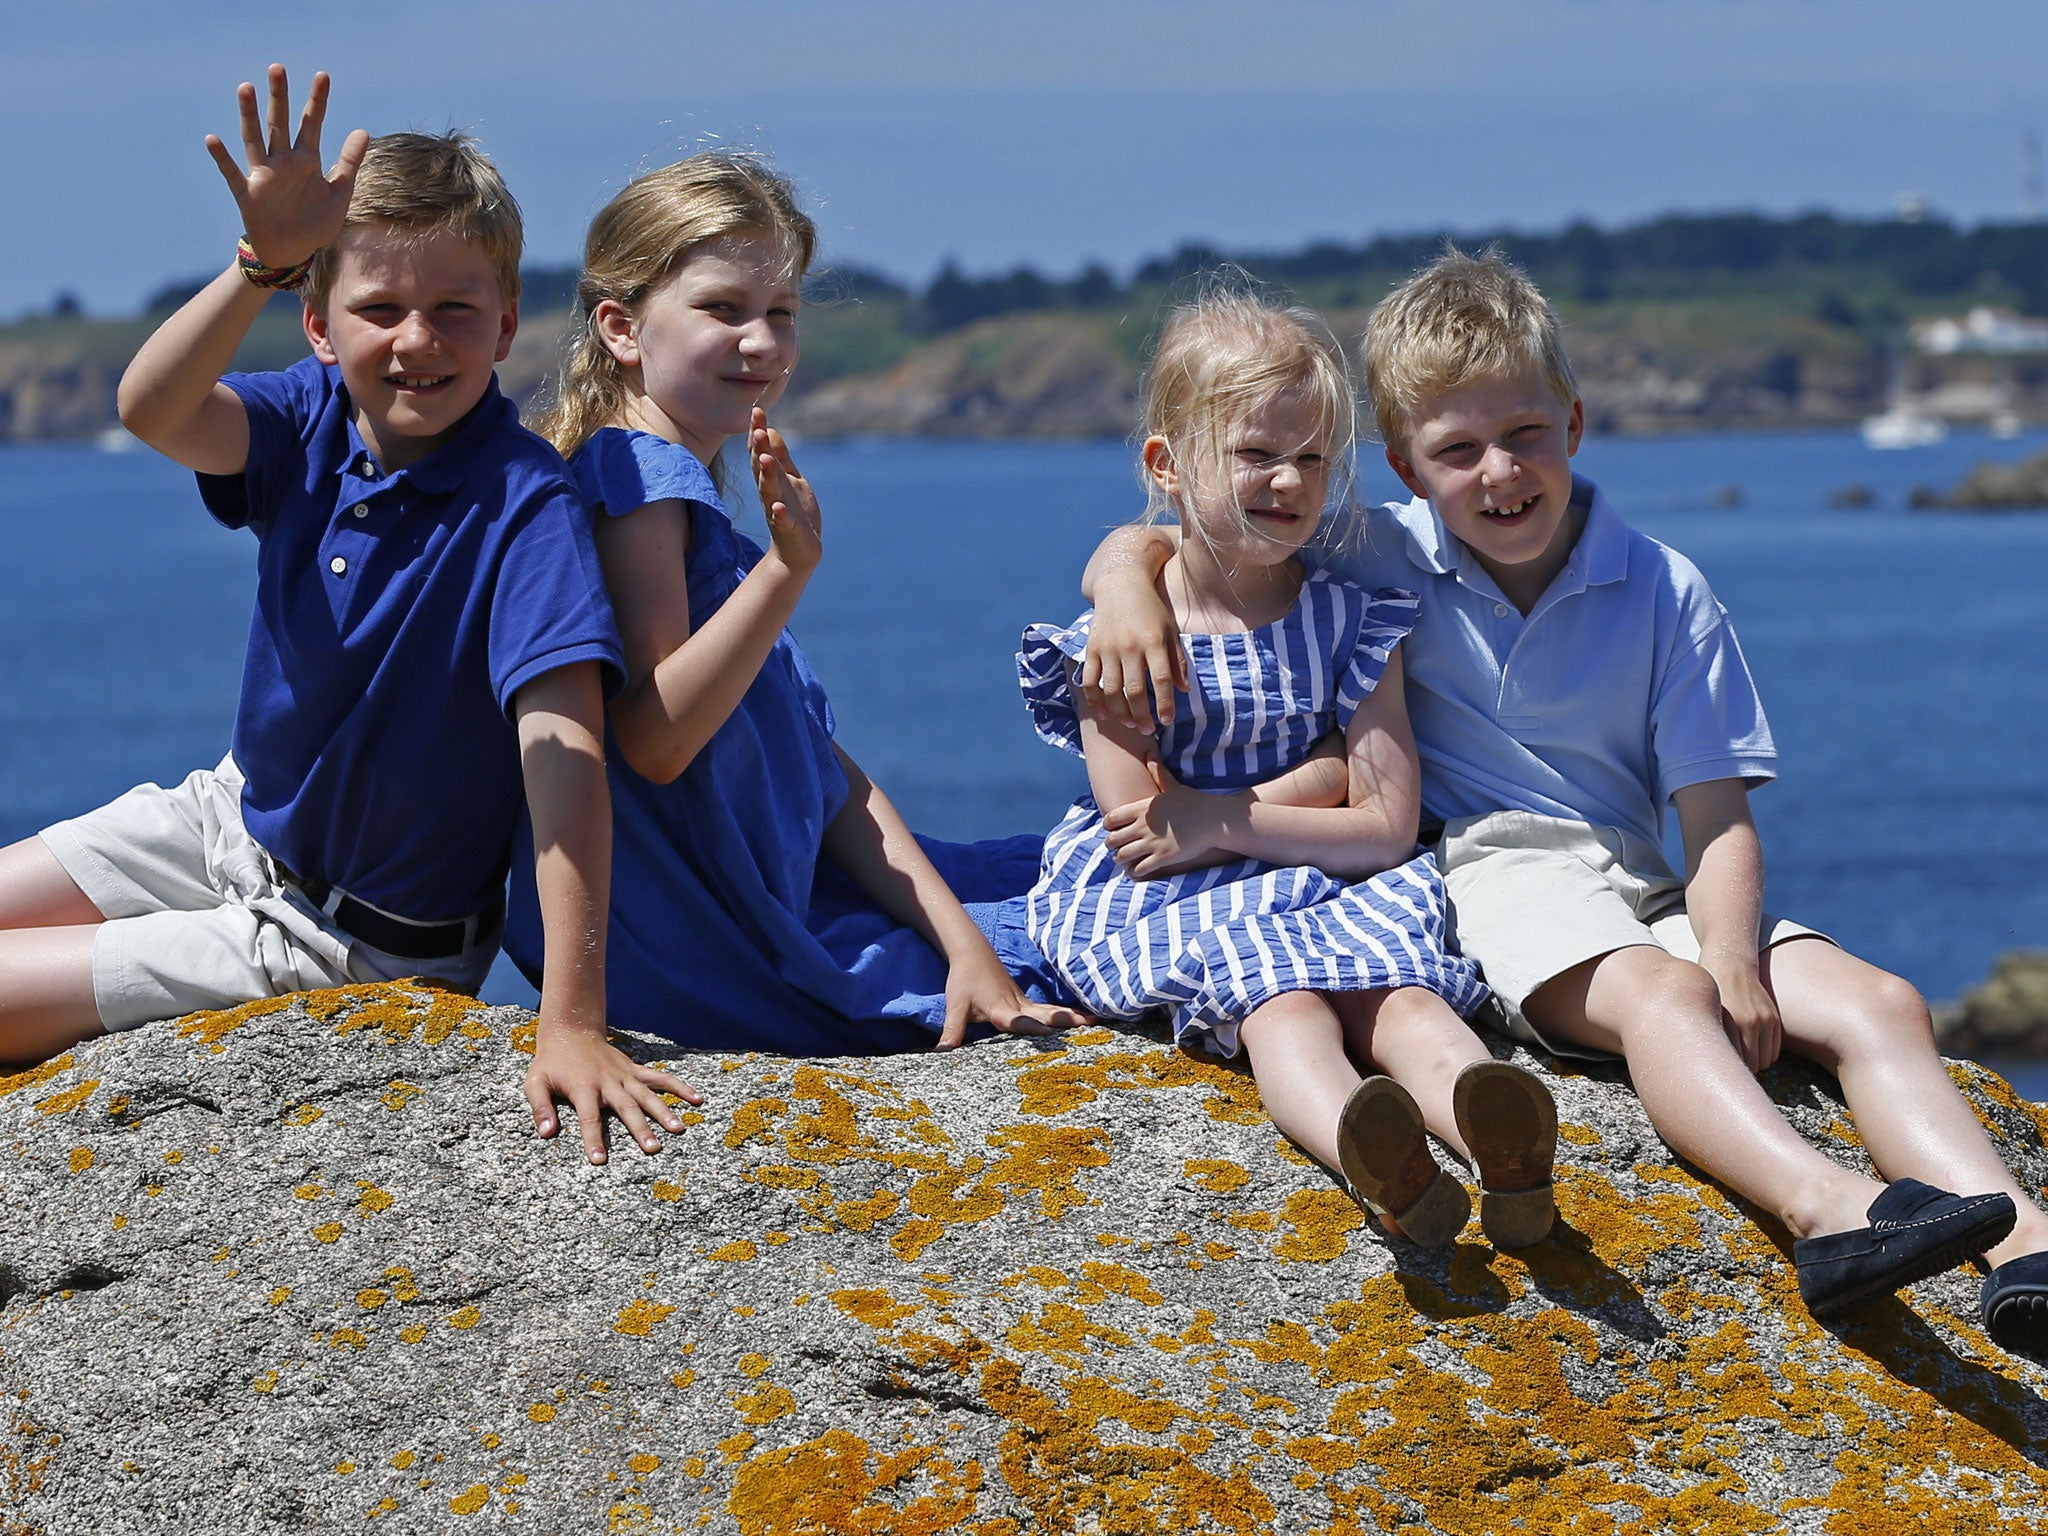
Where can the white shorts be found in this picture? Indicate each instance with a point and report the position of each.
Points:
(1532, 896)
(197, 915)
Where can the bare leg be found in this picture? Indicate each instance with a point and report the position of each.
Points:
(36, 893)
(1871, 1029)
(46, 997)
(1296, 1046)
(1414, 1037)
(1664, 1016)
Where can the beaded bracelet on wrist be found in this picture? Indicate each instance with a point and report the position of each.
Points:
(287, 279)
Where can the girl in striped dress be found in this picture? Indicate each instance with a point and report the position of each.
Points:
(1250, 867)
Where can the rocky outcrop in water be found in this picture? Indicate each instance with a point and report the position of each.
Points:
(1992, 487)
(303, 1266)
(2007, 1015)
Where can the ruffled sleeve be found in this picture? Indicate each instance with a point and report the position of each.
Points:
(620, 471)
(1389, 615)
(1048, 668)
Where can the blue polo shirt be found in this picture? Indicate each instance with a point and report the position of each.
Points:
(396, 615)
(1622, 685)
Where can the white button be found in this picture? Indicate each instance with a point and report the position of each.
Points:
(360, 509)
(366, 467)
(1500, 610)
(338, 565)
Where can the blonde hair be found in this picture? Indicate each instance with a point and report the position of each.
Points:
(419, 185)
(1221, 356)
(1459, 320)
(637, 241)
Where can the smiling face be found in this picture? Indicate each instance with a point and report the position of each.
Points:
(1264, 500)
(714, 339)
(1494, 459)
(416, 324)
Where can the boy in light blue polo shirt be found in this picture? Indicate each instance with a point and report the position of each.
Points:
(1568, 678)
(430, 644)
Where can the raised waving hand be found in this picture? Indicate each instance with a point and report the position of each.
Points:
(292, 205)
(795, 524)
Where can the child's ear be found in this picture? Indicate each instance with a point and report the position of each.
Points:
(1576, 432)
(1406, 471)
(1157, 455)
(617, 331)
(315, 322)
(508, 327)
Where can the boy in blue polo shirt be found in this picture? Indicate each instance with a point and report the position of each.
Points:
(430, 640)
(1567, 679)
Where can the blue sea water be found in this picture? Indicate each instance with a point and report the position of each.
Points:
(1900, 653)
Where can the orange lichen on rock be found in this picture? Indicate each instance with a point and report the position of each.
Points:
(638, 1317)
(397, 1009)
(63, 1103)
(37, 1075)
(875, 1307)
(1320, 1220)
(81, 1159)
(1217, 1175)
(1053, 1088)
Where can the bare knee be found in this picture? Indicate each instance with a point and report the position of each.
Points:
(1882, 1012)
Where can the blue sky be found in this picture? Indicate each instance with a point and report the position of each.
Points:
(1050, 133)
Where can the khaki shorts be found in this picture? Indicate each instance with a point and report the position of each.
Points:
(197, 916)
(1532, 896)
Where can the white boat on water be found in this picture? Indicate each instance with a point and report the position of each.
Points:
(1903, 427)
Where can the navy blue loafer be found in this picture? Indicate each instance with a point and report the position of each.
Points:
(2016, 1305)
(1915, 1231)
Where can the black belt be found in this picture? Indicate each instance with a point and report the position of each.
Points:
(396, 935)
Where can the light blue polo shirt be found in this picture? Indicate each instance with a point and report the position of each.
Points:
(397, 613)
(1622, 685)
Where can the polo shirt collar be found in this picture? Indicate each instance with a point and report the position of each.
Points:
(443, 470)
(1599, 557)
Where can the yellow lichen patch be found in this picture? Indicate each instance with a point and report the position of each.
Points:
(1116, 1280)
(174, 1157)
(465, 1318)
(912, 1238)
(81, 1159)
(403, 1286)
(863, 1215)
(413, 1333)
(683, 1379)
(1320, 1219)
(347, 1338)
(638, 1317)
(1252, 1221)
(209, 1027)
(939, 1197)
(371, 1299)
(327, 1232)
(489, 1442)
(541, 1413)
(877, 1308)
(279, 1295)
(396, 1009)
(764, 1406)
(38, 1075)
(525, 1035)
(1063, 1331)
(308, 1192)
(399, 1094)
(120, 1221)
(370, 1200)
(752, 1365)
(735, 1447)
(1047, 1159)
(738, 1251)
(783, 1176)
(1218, 1252)
(63, 1103)
(837, 1482)
(304, 1115)
(642, 1463)
(666, 1190)
(470, 1500)
(1577, 1135)
(1217, 1175)
(267, 1382)
(403, 1460)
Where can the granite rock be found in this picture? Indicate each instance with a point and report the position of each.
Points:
(304, 1267)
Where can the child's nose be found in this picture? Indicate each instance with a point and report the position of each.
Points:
(1498, 464)
(415, 333)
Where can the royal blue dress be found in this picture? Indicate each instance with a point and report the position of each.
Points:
(729, 931)
(1210, 946)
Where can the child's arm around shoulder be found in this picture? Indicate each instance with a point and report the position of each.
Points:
(171, 395)
(1724, 892)
(683, 685)
(560, 720)
(1134, 660)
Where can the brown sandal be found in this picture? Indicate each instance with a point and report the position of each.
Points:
(1509, 1120)
(1383, 1150)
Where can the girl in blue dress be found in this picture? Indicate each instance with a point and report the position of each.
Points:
(1251, 867)
(764, 894)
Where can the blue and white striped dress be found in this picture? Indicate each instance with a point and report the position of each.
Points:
(1214, 944)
